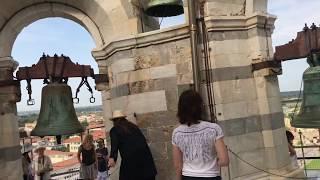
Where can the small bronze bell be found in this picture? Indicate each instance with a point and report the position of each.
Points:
(309, 115)
(164, 8)
(57, 114)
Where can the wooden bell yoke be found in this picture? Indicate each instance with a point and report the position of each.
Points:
(306, 43)
(54, 69)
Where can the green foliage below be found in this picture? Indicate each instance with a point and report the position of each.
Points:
(314, 164)
(60, 148)
(27, 119)
(84, 124)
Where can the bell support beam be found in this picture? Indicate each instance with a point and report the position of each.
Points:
(306, 43)
(55, 67)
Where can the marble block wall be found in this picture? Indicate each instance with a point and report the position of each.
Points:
(10, 149)
(148, 71)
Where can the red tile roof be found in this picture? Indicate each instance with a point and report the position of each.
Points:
(95, 125)
(72, 140)
(64, 164)
(53, 152)
(97, 134)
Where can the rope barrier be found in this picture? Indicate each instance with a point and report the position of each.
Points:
(274, 174)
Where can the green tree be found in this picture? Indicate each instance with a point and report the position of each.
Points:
(60, 148)
(85, 124)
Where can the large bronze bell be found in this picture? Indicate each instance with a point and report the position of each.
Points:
(164, 8)
(57, 114)
(309, 115)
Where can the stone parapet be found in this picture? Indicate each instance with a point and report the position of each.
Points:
(257, 20)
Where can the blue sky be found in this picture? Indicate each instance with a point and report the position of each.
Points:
(61, 36)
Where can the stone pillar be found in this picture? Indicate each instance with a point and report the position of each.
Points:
(144, 82)
(248, 104)
(10, 149)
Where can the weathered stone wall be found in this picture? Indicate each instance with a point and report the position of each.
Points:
(146, 81)
(150, 70)
(10, 154)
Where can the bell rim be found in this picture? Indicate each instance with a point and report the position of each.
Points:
(45, 132)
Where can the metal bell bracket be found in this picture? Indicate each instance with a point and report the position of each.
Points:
(84, 81)
(306, 44)
(30, 101)
(58, 69)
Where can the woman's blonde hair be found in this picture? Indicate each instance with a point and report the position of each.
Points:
(88, 139)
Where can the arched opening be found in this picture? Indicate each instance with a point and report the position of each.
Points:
(50, 36)
(15, 24)
(60, 36)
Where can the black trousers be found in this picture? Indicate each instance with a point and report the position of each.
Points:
(151, 178)
(201, 178)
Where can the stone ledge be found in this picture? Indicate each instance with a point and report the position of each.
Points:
(240, 22)
(8, 62)
(182, 32)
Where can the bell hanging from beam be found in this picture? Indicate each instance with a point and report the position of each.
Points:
(164, 8)
(309, 114)
(57, 114)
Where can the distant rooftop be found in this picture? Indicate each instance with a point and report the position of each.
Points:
(65, 164)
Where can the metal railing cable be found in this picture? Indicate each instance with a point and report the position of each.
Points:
(265, 171)
(296, 106)
(65, 173)
(78, 171)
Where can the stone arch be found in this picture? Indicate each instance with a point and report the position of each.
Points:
(11, 29)
(14, 16)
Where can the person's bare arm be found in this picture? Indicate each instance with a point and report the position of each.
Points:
(177, 161)
(78, 154)
(111, 162)
(222, 152)
(95, 156)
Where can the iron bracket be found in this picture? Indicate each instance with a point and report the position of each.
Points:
(266, 64)
(57, 69)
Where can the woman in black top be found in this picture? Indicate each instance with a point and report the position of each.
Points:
(136, 159)
(88, 160)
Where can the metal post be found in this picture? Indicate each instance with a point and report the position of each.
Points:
(229, 172)
(194, 43)
(304, 160)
